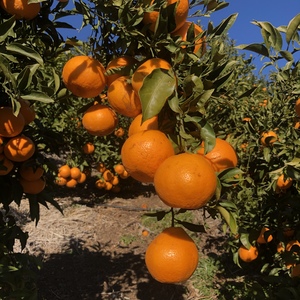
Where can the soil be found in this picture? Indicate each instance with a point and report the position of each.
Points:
(95, 249)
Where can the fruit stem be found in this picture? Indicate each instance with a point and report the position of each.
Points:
(173, 217)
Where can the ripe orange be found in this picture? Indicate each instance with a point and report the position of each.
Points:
(10, 125)
(5, 165)
(248, 255)
(283, 183)
(121, 65)
(1, 144)
(268, 138)
(143, 152)
(32, 187)
(119, 169)
(100, 183)
(145, 69)
(27, 111)
(75, 173)
(185, 181)
(19, 148)
(181, 13)
(100, 120)
(280, 247)
(108, 186)
(82, 178)
(297, 107)
(199, 43)
(136, 125)
(101, 168)
(21, 9)
(261, 238)
(71, 183)
(114, 180)
(31, 172)
(61, 181)
(222, 156)
(84, 76)
(88, 148)
(292, 243)
(123, 99)
(124, 175)
(172, 256)
(64, 171)
(108, 175)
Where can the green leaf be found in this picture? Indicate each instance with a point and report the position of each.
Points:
(157, 87)
(244, 238)
(26, 51)
(229, 219)
(225, 25)
(38, 96)
(292, 28)
(271, 35)
(24, 79)
(257, 48)
(287, 55)
(208, 136)
(6, 29)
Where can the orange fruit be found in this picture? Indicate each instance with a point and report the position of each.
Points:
(108, 186)
(124, 175)
(19, 148)
(101, 168)
(186, 181)
(27, 111)
(145, 69)
(145, 232)
(247, 119)
(114, 180)
(21, 9)
(100, 120)
(222, 156)
(119, 132)
(137, 125)
(172, 257)
(181, 14)
(143, 152)
(119, 169)
(248, 255)
(108, 175)
(75, 173)
(1, 144)
(32, 187)
(283, 183)
(297, 107)
(268, 138)
(199, 43)
(82, 178)
(10, 125)
(84, 76)
(297, 125)
(64, 171)
(100, 183)
(5, 165)
(280, 248)
(30, 172)
(123, 99)
(61, 181)
(71, 183)
(261, 238)
(88, 148)
(291, 244)
(120, 66)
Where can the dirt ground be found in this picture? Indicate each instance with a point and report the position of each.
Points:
(95, 249)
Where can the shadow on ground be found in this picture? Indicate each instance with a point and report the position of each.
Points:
(81, 274)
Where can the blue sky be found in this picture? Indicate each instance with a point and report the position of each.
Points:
(277, 12)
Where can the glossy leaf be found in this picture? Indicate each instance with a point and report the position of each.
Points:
(157, 87)
(26, 51)
(257, 48)
(6, 29)
(292, 28)
(229, 219)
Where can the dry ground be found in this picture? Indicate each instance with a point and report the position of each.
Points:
(95, 250)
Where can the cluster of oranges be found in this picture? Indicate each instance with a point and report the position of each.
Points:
(70, 176)
(109, 179)
(17, 150)
(21, 9)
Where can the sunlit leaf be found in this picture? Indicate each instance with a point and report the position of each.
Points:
(292, 28)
